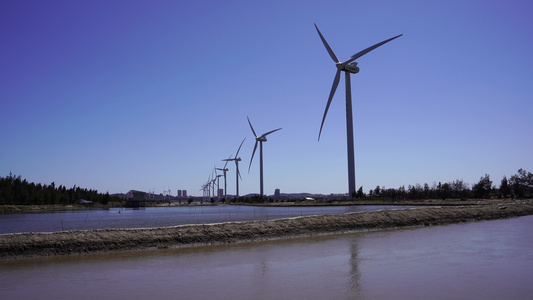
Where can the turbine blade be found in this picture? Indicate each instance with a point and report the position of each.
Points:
(255, 147)
(239, 148)
(238, 172)
(226, 160)
(331, 53)
(251, 126)
(361, 53)
(331, 93)
(265, 134)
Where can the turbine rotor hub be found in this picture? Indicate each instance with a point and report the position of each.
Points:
(352, 68)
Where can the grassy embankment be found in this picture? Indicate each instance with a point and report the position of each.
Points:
(76, 242)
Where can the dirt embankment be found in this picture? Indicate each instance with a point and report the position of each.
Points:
(72, 242)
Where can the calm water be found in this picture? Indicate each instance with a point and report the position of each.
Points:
(478, 260)
(160, 217)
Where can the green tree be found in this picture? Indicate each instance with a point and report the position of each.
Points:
(445, 190)
(427, 191)
(360, 193)
(483, 188)
(505, 190)
(460, 189)
(522, 184)
(377, 191)
(105, 199)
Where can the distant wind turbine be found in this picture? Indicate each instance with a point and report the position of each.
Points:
(224, 170)
(236, 159)
(218, 186)
(259, 140)
(213, 181)
(347, 67)
(203, 191)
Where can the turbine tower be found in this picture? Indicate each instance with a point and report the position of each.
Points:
(259, 140)
(348, 67)
(224, 170)
(236, 159)
(213, 182)
(218, 186)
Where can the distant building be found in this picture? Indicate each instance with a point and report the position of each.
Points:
(136, 198)
(179, 194)
(277, 194)
(136, 195)
(184, 193)
(220, 193)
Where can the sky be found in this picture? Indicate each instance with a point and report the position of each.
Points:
(152, 95)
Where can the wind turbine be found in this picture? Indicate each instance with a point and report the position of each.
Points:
(203, 191)
(224, 170)
(207, 186)
(259, 140)
(218, 186)
(237, 173)
(213, 182)
(348, 67)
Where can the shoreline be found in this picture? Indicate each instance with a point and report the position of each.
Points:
(21, 245)
(28, 209)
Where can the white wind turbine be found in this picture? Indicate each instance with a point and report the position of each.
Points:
(207, 186)
(203, 191)
(218, 186)
(236, 159)
(224, 170)
(213, 182)
(348, 66)
(259, 140)
(207, 190)
(216, 181)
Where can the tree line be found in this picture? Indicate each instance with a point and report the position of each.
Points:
(519, 185)
(16, 191)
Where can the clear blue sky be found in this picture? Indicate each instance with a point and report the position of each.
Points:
(120, 95)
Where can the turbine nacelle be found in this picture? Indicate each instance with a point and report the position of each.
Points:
(352, 68)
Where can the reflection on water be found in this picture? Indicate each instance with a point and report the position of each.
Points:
(481, 260)
(353, 281)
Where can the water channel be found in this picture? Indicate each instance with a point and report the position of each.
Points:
(151, 217)
(476, 260)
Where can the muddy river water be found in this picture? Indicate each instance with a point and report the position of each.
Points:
(476, 260)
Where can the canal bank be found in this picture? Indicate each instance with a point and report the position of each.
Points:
(76, 242)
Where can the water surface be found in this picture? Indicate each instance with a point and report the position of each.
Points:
(478, 260)
(151, 217)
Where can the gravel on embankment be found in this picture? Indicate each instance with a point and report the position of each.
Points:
(77, 242)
